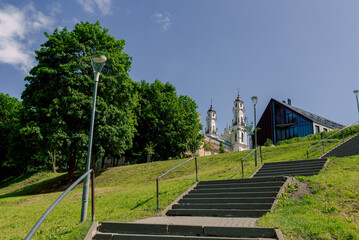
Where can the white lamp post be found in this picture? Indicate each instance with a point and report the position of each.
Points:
(255, 100)
(97, 61)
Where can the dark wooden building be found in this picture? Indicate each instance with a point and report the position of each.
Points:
(281, 121)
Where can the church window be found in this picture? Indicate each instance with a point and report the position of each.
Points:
(235, 137)
(242, 138)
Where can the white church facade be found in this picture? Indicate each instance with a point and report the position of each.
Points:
(234, 137)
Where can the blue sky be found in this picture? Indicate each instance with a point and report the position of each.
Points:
(305, 50)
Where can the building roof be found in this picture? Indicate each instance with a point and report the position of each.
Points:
(219, 140)
(238, 99)
(313, 117)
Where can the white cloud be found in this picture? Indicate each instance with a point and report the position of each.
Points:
(90, 6)
(16, 27)
(164, 19)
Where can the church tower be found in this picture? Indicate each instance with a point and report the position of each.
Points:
(239, 126)
(211, 123)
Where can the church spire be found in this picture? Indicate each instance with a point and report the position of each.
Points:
(211, 122)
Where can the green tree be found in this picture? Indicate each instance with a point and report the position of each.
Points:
(221, 147)
(168, 125)
(9, 118)
(58, 98)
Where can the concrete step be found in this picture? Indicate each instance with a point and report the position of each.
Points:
(230, 195)
(228, 200)
(241, 185)
(287, 173)
(217, 212)
(348, 148)
(290, 170)
(297, 161)
(236, 190)
(117, 230)
(290, 167)
(109, 236)
(245, 180)
(222, 206)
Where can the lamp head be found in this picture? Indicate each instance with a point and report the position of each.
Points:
(356, 92)
(98, 61)
(254, 100)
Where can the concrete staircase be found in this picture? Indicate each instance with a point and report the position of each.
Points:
(291, 168)
(220, 199)
(136, 231)
(348, 148)
(251, 197)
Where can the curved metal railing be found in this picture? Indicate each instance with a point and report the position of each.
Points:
(322, 141)
(158, 178)
(48, 211)
(260, 150)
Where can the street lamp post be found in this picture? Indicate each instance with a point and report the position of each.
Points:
(356, 95)
(255, 100)
(97, 61)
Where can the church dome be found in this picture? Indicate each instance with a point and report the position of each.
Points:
(211, 109)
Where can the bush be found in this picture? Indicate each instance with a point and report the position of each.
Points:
(268, 143)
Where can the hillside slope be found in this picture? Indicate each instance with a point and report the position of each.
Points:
(124, 193)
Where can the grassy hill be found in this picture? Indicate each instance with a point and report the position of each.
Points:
(128, 193)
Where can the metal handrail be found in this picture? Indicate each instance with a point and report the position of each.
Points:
(322, 141)
(157, 179)
(260, 150)
(48, 211)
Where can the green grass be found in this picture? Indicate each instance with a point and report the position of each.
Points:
(124, 193)
(330, 212)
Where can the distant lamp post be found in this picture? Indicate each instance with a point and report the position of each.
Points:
(97, 61)
(255, 100)
(356, 95)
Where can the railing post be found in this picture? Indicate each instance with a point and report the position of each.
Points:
(260, 151)
(242, 168)
(307, 154)
(195, 160)
(93, 194)
(158, 196)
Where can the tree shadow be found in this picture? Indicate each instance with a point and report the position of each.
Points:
(57, 184)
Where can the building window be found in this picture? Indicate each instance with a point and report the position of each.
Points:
(235, 137)
(317, 129)
(242, 138)
(325, 130)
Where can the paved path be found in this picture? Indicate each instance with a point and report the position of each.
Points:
(202, 221)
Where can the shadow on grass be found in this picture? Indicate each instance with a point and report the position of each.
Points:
(57, 184)
(142, 203)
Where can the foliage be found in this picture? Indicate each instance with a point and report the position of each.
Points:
(228, 134)
(268, 143)
(168, 125)
(9, 118)
(58, 100)
(221, 147)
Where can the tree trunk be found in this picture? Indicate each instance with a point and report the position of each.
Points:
(71, 171)
(148, 157)
(103, 162)
(53, 159)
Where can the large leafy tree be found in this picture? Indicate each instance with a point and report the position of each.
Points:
(58, 99)
(9, 118)
(168, 125)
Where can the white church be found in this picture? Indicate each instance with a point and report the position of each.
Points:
(234, 137)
